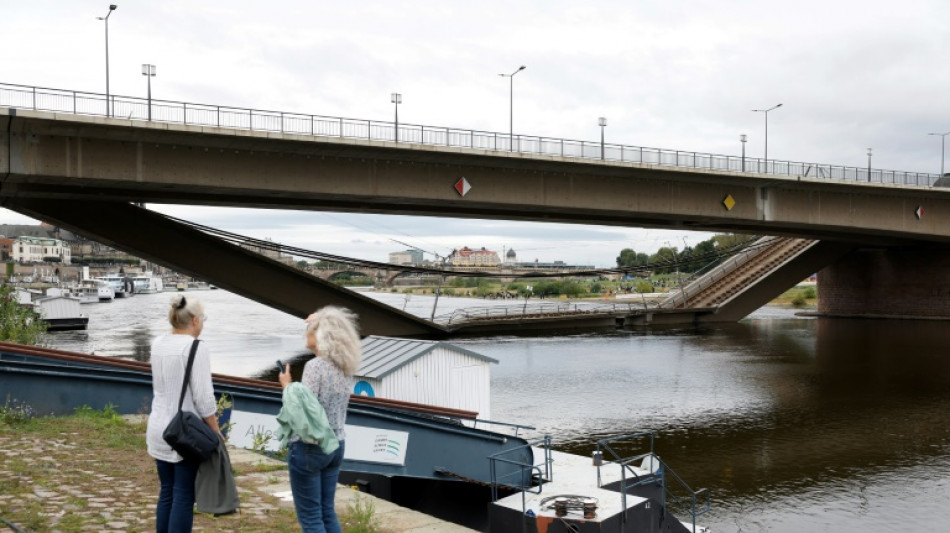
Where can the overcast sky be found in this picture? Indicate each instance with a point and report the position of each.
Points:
(672, 74)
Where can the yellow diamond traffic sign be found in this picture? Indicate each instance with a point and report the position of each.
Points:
(729, 202)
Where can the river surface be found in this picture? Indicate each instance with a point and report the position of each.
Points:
(795, 424)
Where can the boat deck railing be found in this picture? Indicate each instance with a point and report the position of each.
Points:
(525, 472)
(697, 502)
(517, 427)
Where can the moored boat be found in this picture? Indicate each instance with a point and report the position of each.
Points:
(147, 283)
(61, 313)
(423, 442)
(121, 285)
(86, 291)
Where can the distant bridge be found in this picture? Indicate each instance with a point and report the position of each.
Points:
(386, 277)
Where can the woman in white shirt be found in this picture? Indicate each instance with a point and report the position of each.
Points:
(176, 498)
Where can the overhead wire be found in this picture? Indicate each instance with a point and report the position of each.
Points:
(673, 262)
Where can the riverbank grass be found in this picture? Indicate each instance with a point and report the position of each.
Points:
(90, 472)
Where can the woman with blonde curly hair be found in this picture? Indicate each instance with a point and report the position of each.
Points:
(332, 335)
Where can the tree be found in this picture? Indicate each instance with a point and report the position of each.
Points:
(18, 323)
(665, 260)
(630, 258)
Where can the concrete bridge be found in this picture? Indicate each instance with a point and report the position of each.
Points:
(884, 233)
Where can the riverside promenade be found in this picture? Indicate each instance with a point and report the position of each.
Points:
(79, 481)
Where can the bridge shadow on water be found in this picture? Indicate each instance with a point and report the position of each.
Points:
(848, 398)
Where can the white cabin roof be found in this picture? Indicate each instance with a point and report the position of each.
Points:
(385, 355)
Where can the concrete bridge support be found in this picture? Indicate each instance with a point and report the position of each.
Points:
(154, 237)
(894, 282)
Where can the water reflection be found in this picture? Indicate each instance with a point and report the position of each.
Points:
(140, 338)
(761, 411)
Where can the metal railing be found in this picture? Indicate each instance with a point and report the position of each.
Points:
(471, 314)
(524, 471)
(658, 468)
(170, 111)
(717, 273)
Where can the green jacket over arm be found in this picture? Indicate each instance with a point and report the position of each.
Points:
(303, 416)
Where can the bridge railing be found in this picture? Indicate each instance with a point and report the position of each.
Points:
(714, 274)
(136, 108)
(471, 314)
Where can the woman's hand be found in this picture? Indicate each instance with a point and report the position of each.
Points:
(284, 377)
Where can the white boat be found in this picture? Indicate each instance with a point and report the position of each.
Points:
(97, 290)
(73, 292)
(121, 285)
(147, 283)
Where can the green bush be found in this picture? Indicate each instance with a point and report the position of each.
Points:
(799, 300)
(809, 293)
(17, 323)
(595, 288)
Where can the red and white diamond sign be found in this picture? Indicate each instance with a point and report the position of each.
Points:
(462, 186)
(919, 212)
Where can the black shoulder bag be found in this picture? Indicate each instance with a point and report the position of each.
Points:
(187, 434)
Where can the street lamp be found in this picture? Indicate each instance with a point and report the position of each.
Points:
(602, 122)
(869, 165)
(511, 105)
(943, 138)
(396, 99)
(106, 18)
(766, 111)
(743, 139)
(149, 72)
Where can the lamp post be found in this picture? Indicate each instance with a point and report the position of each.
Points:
(149, 72)
(943, 139)
(869, 165)
(106, 19)
(396, 99)
(511, 105)
(743, 139)
(602, 122)
(766, 111)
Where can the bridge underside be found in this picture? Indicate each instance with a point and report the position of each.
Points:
(156, 238)
(81, 172)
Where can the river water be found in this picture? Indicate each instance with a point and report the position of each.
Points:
(795, 424)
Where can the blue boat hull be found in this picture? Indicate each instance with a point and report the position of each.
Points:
(433, 446)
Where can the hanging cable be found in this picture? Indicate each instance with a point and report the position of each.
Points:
(673, 262)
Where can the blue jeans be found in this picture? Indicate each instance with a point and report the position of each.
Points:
(313, 476)
(176, 499)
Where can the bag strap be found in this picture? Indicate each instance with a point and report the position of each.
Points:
(184, 384)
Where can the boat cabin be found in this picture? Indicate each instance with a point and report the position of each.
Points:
(428, 372)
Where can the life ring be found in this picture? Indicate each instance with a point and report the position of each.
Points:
(362, 388)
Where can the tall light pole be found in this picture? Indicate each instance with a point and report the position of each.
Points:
(766, 111)
(106, 18)
(149, 72)
(602, 122)
(511, 106)
(943, 139)
(869, 165)
(396, 99)
(743, 139)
